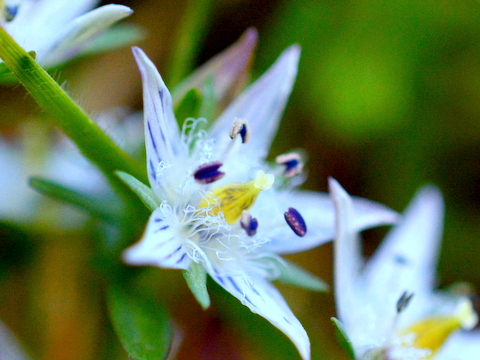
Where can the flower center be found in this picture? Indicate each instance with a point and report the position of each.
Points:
(431, 333)
(233, 199)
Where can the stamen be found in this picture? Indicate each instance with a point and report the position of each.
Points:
(208, 173)
(296, 222)
(292, 162)
(10, 12)
(240, 126)
(403, 302)
(248, 223)
(233, 199)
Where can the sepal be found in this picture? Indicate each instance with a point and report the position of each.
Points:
(343, 338)
(292, 274)
(148, 197)
(196, 278)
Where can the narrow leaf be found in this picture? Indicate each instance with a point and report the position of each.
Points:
(343, 339)
(141, 324)
(196, 278)
(115, 37)
(192, 29)
(145, 194)
(72, 197)
(290, 273)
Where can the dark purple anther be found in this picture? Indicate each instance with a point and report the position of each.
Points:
(240, 126)
(289, 165)
(208, 173)
(403, 302)
(248, 223)
(243, 133)
(10, 12)
(292, 162)
(296, 222)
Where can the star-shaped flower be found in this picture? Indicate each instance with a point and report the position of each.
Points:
(223, 207)
(57, 30)
(388, 306)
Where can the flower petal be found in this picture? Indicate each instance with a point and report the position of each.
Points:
(38, 24)
(264, 299)
(348, 259)
(461, 346)
(160, 245)
(317, 209)
(229, 70)
(82, 29)
(406, 259)
(10, 348)
(261, 105)
(162, 137)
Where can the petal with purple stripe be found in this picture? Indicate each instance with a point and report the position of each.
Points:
(162, 137)
(160, 245)
(264, 299)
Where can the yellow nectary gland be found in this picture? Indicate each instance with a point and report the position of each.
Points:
(233, 199)
(433, 332)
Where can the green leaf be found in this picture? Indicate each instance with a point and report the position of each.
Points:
(113, 38)
(196, 278)
(142, 325)
(342, 338)
(192, 29)
(72, 197)
(189, 106)
(148, 197)
(290, 273)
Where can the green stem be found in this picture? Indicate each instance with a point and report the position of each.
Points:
(90, 139)
(191, 33)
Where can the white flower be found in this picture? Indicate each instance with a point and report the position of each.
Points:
(10, 348)
(57, 30)
(219, 207)
(388, 306)
(461, 346)
(39, 153)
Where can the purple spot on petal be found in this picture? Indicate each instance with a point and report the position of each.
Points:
(153, 173)
(161, 229)
(255, 291)
(181, 259)
(151, 137)
(234, 284)
(173, 253)
(164, 242)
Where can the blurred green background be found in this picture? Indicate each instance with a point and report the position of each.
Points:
(387, 99)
